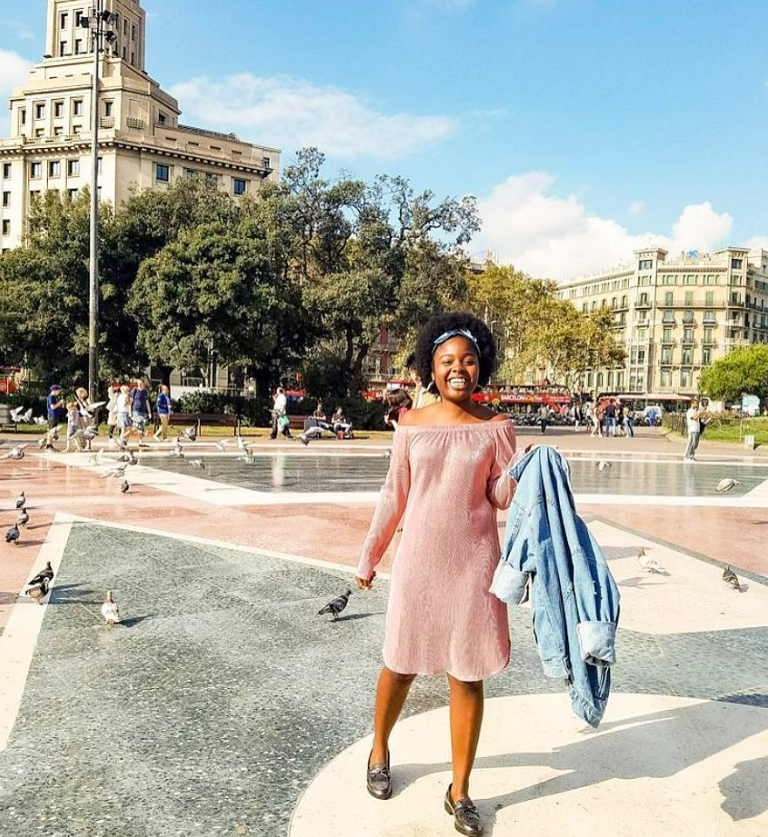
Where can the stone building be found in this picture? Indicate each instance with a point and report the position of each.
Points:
(676, 316)
(142, 144)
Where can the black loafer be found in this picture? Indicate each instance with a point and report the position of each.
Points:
(466, 819)
(378, 779)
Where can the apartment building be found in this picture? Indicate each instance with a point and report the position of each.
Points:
(142, 143)
(675, 316)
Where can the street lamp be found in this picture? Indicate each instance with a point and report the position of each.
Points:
(97, 21)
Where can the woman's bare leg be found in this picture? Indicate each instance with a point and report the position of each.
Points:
(466, 720)
(391, 693)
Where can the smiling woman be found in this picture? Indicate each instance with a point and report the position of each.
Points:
(448, 476)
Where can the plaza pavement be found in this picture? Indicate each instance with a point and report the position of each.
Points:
(225, 705)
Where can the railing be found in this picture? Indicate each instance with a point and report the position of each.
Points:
(133, 122)
(735, 343)
(107, 121)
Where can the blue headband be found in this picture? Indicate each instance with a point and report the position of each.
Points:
(456, 332)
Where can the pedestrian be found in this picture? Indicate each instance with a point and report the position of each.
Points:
(73, 425)
(543, 417)
(163, 407)
(421, 397)
(114, 391)
(56, 411)
(610, 418)
(399, 403)
(280, 421)
(693, 426)
(123, 405)
(629, 422)
(447, 478)
(86, 417)
(141, 409)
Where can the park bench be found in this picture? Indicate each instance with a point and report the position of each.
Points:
(200, 419)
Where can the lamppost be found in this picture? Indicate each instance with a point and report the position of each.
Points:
(96, 21)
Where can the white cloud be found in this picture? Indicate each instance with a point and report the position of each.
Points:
(291, 113)
(758, 242)
(14, 71)
(554, 236)
(636, 207)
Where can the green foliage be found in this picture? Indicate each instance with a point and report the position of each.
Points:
(743, 371)
(253, 410)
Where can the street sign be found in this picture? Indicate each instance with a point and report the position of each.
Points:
(750, 405)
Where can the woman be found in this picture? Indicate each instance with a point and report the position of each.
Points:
(448, 476)
(86, 417)
(114, 391)
(124, 412)
(399, 403)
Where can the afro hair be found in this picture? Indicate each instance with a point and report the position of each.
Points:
(448, 322)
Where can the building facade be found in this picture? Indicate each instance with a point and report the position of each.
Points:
(675, 317)
(142, 144)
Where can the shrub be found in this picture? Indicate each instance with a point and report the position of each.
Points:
(253, 411)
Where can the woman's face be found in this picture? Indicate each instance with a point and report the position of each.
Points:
(456, 369)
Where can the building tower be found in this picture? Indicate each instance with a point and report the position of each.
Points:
(141, 142)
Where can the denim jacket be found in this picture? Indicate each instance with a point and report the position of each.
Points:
(574, 599)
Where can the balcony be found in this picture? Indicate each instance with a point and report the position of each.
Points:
(107, 122)
(644, 303)
(735, 343)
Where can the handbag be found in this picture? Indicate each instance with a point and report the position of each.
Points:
(283, 422)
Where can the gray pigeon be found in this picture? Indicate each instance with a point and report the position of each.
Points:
(12, 535)
(125, 487)
(39, 590)
(21, 500)
(46, 573)
(16, 452)
(197, 463)
(190, 433)
(731, 579)
(726, 484)
(23, 518)
(336, 606)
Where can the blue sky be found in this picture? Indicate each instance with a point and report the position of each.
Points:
(585, 127)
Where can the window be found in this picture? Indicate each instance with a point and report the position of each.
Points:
(63, 49)
(709, 315)
(736, 264)
(77, 107)
(689, 297)
(669, 316)
(134, 32)
(690, 279)
(162, 173)
(34, 195)
(191, 174)
(712, 279)
(709, 298)
(6, 170)
(708, 332)
(239, 187)
(666, 355)
(666, 378)
(72, 194)
(40, 111)
(599, 380)
(162, 119)
(643, 298)
(6, 198)
(6, 227)
(688, 315)
(613, 303)
(63, 20)
(79, 46)
(667, 335)
(589, 379)
(669, 298)
(266, 162)
(593, 307)
(39, 132)
(54, 168)
(76, 129)
(646, 264)
(125, 28)
(125, 53)
(133, 57)
(706, 356)
(78, 18)
(35, 169)
(685, 377)
(58, 109)
(108, 108)
(583, 307)
(734, 279)
(23, 116)
(624, 301)
(688, 335)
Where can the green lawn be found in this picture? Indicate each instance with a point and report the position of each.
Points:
(734, 430)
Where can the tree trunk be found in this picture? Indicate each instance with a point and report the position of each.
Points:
(355, 382)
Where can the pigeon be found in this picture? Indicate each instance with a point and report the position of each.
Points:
(116, 472)
(41, 421)
(39, 591)
(46, 573)
(18, 416)
(97, 460)
(21, 500)
(16, 452)
(304, 440)
(197, 463)
(241, 444)
(727, 484)
(177, 449)
(189, 433)
(12, 535)
(125, 487)
(118, 442)
(650, 565)
(602, 465)
(110, 610)
(388, 453)
(731, 579)
(248, 457)
(336, 606)
(130, 458)
(23, 518)
(42, 443)
(222, 445)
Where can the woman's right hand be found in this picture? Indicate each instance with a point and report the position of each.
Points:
(365, 583)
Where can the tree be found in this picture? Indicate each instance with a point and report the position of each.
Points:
(219, 288)
(743, 371)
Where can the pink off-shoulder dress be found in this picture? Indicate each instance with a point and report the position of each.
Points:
(446, 482)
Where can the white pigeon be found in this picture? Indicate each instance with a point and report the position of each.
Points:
(110, 610)
(727, 484)
(197, 463)
(649, 565)
(602, 465)
(241, 444)
(119, 443)
(16, 452)
(222, 445)
(248, 457)
(177, 450)
(41, 421)
(18, 416)
(190, 433)
(43, 442)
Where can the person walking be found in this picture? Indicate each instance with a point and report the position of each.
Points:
(543, 417)
(123, 408)
(629, 423)
(141, 409)
(56, 412)
(73, 425)
(280, 422)
(163, 408)
(610, 418)
(85, 413)
(447, 478)
(693, 426)
(114, 391)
